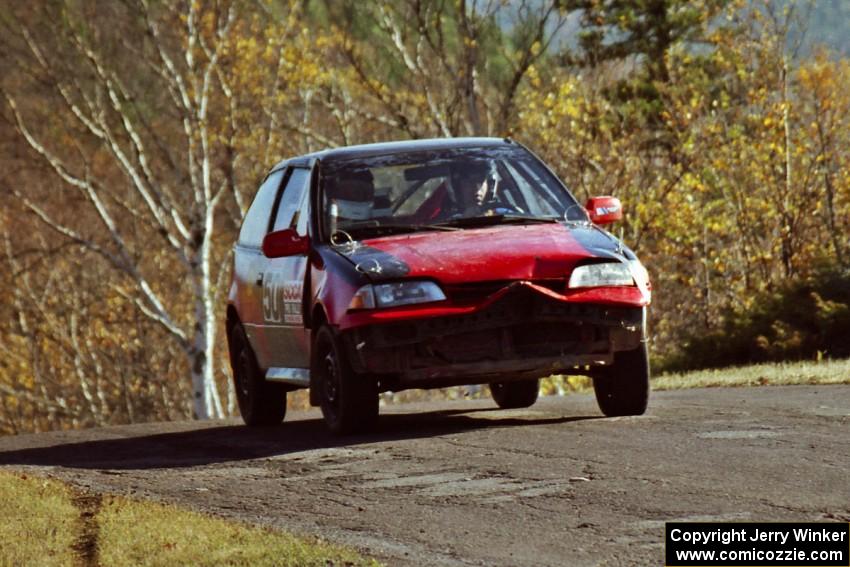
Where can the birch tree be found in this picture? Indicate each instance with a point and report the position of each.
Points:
(139, 147)
(71, 353)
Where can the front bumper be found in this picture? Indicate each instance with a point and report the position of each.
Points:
(524, 334)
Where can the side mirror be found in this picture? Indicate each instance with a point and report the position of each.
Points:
(604, 210)
(281, 243)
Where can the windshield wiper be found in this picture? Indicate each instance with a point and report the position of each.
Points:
(370, 227)
(497, 219)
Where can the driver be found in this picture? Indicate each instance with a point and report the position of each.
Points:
(471, 184)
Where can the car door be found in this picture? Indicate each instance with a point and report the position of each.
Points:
(250, 263)
(283, 282)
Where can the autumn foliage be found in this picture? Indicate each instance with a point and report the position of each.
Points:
(134, 135)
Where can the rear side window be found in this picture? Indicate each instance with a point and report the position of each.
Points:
(256, 222)
(289, 209)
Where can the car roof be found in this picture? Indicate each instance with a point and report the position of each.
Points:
(387, 148)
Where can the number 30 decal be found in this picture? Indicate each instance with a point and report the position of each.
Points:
(282, 299)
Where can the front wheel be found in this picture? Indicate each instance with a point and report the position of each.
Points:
(512, 395)
(623, 388)
(349, 401)
(260, 402)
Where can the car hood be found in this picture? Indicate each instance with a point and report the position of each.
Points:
(499, 253)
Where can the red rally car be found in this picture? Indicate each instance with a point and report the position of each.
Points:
(429, 264)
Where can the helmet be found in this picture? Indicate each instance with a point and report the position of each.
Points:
(352, 193)
(471, 183)
(472, 171)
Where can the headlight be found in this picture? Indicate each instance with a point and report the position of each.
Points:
(639, 273)
(607, 274)
(396, 294)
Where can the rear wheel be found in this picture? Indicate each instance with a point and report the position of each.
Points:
(511, 395)
(349, 401)
(623, 388)
(260, 402)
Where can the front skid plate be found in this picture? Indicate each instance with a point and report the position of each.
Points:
(532, 367)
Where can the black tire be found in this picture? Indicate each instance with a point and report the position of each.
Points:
(512, 395)
(623, 388)
(261, 403)
(349, 401)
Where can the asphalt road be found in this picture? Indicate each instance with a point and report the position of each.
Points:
(461, 483)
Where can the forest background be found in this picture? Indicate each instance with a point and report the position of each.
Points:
(134, 133)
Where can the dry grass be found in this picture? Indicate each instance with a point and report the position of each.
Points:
(39, 522)
(823, 372)
(44, 524)
(148, 534)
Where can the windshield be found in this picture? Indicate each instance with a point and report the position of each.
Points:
(446, 189)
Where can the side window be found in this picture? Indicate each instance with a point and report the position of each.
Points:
(256, 221)
(289, 210)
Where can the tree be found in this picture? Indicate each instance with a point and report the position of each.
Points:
(139, 122)
(644, 31)
(445, 68)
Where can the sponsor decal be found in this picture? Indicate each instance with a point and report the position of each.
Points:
(282, 299)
